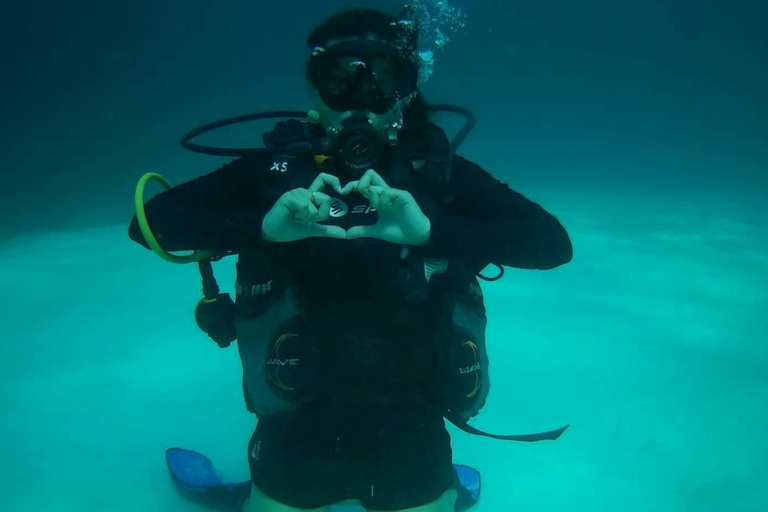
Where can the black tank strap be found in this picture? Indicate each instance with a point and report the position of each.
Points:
(552, 435)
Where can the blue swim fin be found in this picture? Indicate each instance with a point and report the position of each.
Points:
(198, 479)
(468, 488)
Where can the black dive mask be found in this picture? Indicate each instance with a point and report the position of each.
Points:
(363, 75)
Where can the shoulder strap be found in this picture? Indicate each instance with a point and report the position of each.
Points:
(427, 148)
(291, 131)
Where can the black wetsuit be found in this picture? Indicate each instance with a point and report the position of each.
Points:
(375, 432)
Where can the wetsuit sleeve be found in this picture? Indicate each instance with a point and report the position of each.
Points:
(487, 222)
(221, 212)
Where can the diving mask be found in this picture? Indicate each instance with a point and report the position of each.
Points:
(362, 75)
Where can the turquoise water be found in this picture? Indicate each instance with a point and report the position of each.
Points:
(640, 125)
(647, 343)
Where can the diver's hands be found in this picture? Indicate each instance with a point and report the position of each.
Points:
(296, 213)
(401, 221)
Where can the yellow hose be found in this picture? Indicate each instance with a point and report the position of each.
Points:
(141, 216)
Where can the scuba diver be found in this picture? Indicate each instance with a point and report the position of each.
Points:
(359, 318)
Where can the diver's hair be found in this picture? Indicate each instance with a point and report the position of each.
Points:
(353, 23)
(363, 23)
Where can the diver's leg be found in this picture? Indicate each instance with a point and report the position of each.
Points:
(260, 502)
(413, 470)
(444, 503)
(290, 468)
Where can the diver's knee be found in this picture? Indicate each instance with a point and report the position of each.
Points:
(260, 502)
(445, 503)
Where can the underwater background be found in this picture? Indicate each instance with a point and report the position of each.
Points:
(641, 124)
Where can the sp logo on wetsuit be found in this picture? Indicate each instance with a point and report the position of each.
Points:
(339, 208)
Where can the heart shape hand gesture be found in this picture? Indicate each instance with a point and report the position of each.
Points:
(297, 213)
